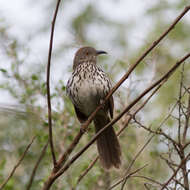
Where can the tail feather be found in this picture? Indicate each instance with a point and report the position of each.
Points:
(107, 144)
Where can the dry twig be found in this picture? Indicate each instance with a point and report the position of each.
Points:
(17, 165)
(48, 85)
(134, 159)
(37, 165)
(174, 174)
(128, 176)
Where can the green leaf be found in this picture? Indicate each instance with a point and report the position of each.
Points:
(34, 77)
(2, 164)
(3, 70)
(63, 88)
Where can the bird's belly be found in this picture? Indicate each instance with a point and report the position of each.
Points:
(89, 96)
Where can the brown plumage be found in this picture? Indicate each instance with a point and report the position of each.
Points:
(87, 86)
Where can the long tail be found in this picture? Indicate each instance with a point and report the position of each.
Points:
(108, 144)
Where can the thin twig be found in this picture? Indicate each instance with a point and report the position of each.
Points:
(135, 158)
(187, 116)
(179, 105)
(127, 176)
(184, 169)
(152, 186)
(146, 186)
(37, 165)
(174, 174)
(179, 183)
(66, 154)
(159, 132)
(169, 163)
(87, 170)
(182, 155)
(138, 109)
(148, 178)
(48, 85)
(17, 165)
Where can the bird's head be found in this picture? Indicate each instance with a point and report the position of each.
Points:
(86, 54)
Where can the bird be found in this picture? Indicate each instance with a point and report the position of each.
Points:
(87, 87)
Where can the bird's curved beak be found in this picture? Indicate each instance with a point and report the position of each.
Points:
(98, 52)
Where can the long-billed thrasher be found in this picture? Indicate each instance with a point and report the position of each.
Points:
(87, 87)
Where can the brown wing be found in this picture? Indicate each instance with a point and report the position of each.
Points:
(81, 117)
(111, 106)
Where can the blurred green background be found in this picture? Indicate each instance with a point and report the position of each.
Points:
(124, 29)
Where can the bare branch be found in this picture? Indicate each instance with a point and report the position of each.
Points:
(146, 186)
(170, 164)
(187, 116)
(135, 158)
(159, 132)
(184, 170)
(178, 182)
(148, 178)
(174, 174)
(87, 170)
(179, 105)
(127, 177)
(17, 165)
(48, 84)
(37, 165)
(66, 154)
(187, 144)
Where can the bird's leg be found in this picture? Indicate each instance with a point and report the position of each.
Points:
(102, 103)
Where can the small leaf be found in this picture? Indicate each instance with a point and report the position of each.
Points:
(34, 77)
(3, 70)
(63, 88)
(2, 164)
